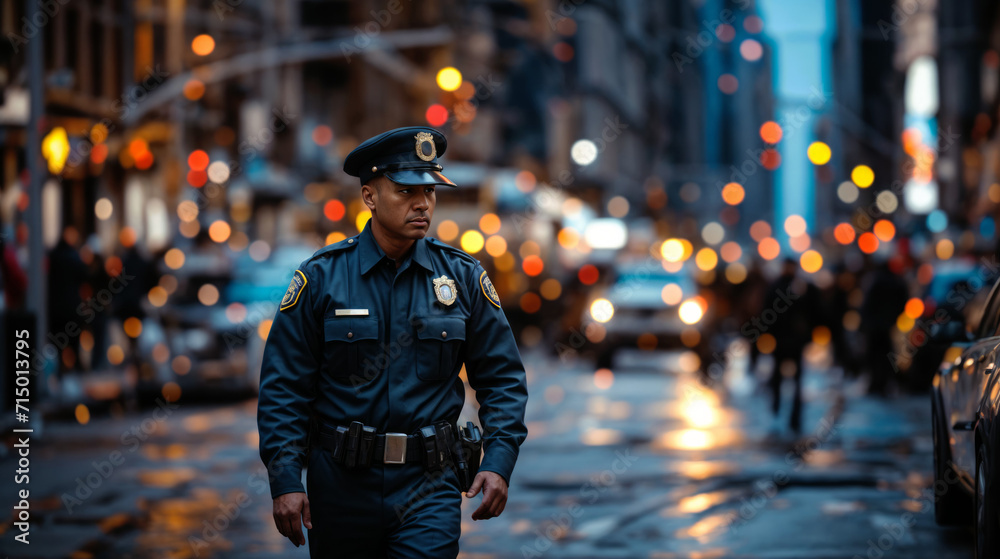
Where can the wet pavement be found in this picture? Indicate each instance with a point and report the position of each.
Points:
(642, 462)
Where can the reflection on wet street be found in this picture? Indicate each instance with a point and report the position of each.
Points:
(641, 461)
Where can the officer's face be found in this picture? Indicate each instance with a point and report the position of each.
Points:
(400, 210)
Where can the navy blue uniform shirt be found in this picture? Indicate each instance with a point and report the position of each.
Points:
(397, 368)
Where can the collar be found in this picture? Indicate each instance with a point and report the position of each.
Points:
(372, 254)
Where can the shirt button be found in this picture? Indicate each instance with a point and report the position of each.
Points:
(350, 334)
(444, 334)
(349, 241)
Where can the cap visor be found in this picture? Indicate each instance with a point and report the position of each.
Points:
(413, 178)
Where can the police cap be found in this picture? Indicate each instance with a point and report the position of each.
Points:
(404, 155)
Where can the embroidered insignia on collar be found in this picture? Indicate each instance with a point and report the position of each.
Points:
(445, 291)
(294, 290)
(488, 290)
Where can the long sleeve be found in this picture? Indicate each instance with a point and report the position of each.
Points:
(291, 363)
(495, 371)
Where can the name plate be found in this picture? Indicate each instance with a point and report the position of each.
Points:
(351, 312)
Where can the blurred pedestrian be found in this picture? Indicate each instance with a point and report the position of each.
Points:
(794, 304)
(884, 300)
(66, 274)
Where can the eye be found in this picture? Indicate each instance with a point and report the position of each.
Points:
(405, 191)
(429, 190)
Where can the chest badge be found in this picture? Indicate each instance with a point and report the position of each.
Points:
(445, 291)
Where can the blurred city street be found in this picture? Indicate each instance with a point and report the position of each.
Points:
(647, 462)
(747, 249)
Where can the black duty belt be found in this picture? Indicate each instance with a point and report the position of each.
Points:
(359, 445)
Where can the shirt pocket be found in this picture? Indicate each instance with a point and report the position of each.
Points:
(439, 346)
(351, 348)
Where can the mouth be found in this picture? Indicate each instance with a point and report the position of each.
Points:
(420, 221)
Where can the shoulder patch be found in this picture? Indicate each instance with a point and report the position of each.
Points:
(488, 289)
(294, 290)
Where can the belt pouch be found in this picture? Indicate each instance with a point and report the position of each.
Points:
(428, 439)
(339, 440)
(367, 446)
(353, 441)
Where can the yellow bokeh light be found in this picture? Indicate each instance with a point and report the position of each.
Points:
(472, 242)
(335, 237)
(706, 259)
(362, 219)
(811, 261)
(819, 153)
(863, 176)
(55, 149)
(736, 273)
(449, 79)
(447, 230)
(904, 323)
(568, 238)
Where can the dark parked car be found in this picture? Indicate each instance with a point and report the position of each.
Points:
(965, 399)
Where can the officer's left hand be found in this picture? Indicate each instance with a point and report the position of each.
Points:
(494, 494)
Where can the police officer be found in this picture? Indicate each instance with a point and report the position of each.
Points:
(360, 377)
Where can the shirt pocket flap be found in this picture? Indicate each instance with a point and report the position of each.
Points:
(441, 328)
(350, 329)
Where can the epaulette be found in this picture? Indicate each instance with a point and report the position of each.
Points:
(448, 248)
(344, 244)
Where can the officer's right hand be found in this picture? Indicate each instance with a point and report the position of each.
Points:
(287, 509)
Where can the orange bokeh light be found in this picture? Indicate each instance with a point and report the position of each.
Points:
(868, 243)
(197, 179)
(914, 308)
(733, 193)
(203, 45)
(770, 159)
(770, 132)
(769, 248)
(198, 160)
(334, 210)
(533, 265)
(844, 233)
(884, 230)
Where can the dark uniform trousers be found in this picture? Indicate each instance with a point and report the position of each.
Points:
(387, 510)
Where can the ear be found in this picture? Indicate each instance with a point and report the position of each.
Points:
(369, 195)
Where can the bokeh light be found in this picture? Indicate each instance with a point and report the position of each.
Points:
(602, 310)
(447, 230)
(844, 233)
(819, 153)
(768, 248)
(771, 132)
(811, 261)
(472, 241)
(884, 230)
(733, 193)
(203, 45)
(863, 176)
(868, 243)
(533, 265)
(449, 79)
(489, 224)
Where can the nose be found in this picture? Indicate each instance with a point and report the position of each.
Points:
(422, 202)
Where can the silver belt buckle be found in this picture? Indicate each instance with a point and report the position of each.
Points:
(395, 448)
